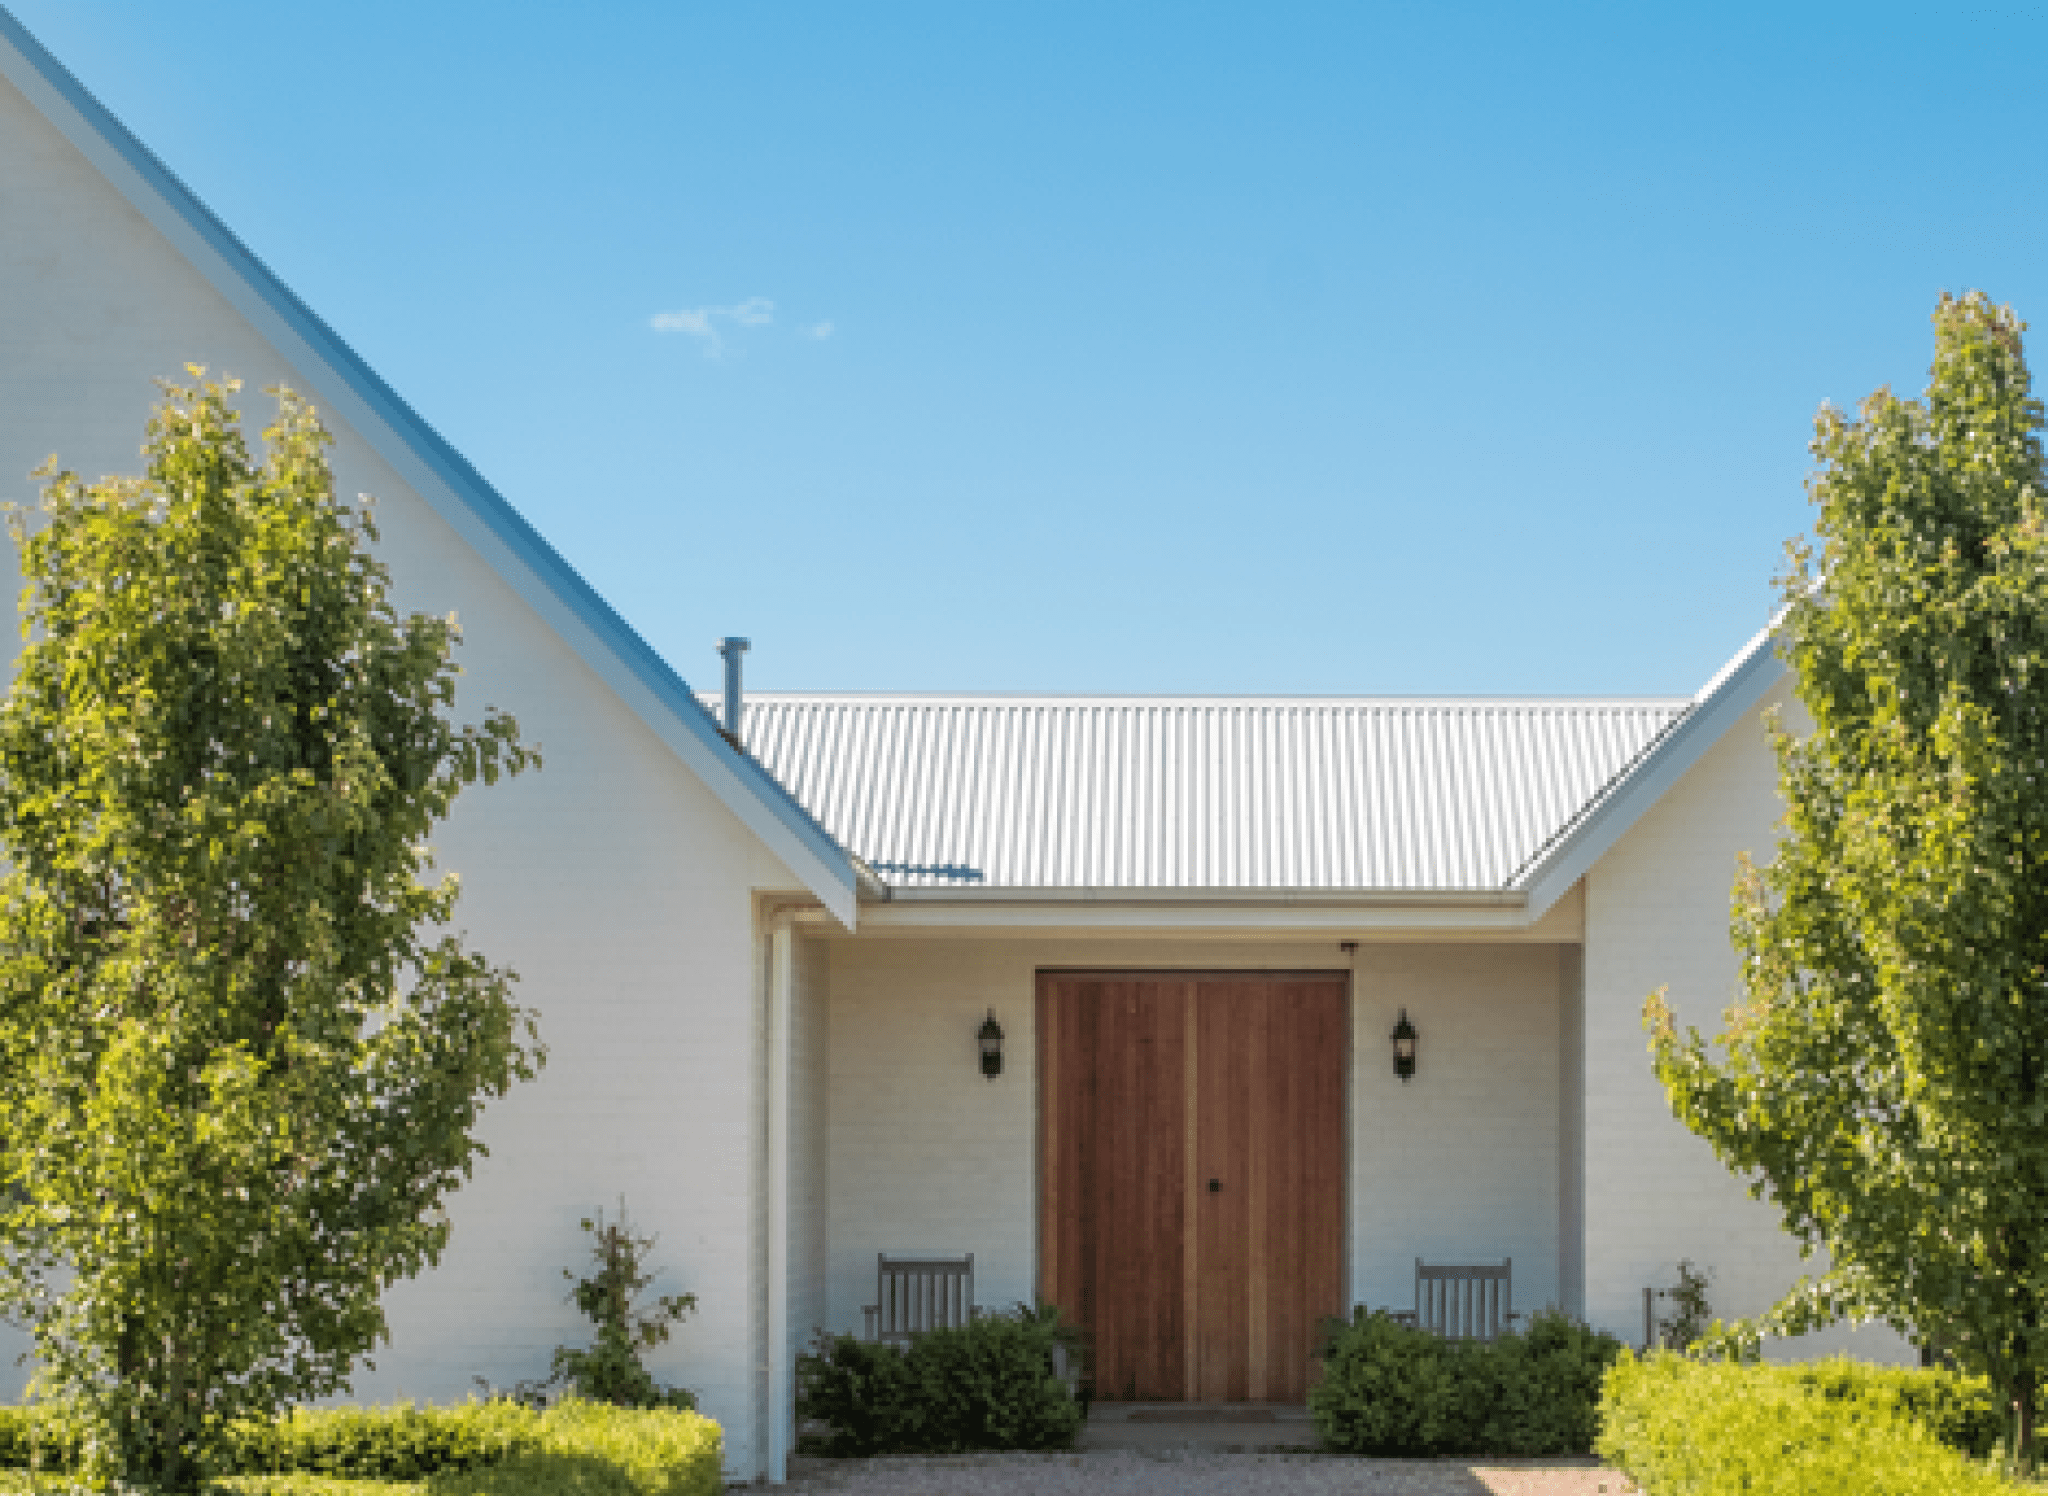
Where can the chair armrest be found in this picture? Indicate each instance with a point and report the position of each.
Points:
(1402, 1317)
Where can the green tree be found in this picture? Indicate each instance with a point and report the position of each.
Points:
(1885, 1078)
(240, 1064)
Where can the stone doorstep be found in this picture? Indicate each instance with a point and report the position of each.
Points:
(1237, 1427)
(1197, 1413)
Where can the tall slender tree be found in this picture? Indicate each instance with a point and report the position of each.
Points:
(240, 1061)
(1885, 1080)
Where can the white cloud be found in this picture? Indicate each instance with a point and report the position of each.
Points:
(820, 331)
(702, 322)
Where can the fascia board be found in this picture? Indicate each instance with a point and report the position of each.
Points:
(1201, 920)
(1732, 695)
(345, 384)
(1220, 898)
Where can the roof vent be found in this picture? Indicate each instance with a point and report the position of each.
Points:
(732, 648)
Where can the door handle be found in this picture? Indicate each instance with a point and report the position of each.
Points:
(1215, 1186)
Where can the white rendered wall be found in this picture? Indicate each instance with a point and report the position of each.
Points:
(1657, 916)
(617, 887)
(927, 1156)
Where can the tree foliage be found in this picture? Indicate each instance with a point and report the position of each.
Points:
(239, 1059)
(1885, 1080)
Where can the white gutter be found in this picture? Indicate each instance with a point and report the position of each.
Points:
(1203, 915)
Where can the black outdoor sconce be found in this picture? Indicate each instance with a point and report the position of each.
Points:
(1404, 1047)
(991, 1046)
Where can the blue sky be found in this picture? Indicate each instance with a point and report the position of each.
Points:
(1097, 347)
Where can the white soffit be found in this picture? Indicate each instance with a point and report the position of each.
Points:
(440, 475)
(1230, 794)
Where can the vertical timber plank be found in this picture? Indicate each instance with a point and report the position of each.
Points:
(1191, 1196)
(1261, 1182)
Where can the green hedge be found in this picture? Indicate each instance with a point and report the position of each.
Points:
(469, 1449)
(401, 1442)
(987, 1385)
(1704, 1428)
(590, 1449)
(1387, 1389)
(37, 1435)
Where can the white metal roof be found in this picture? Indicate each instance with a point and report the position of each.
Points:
(1199, 793)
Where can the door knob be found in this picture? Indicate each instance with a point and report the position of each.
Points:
(1215, 1186)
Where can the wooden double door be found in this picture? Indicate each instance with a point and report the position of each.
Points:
(1192, 1173)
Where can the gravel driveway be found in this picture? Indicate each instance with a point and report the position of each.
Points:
(1203, 1473)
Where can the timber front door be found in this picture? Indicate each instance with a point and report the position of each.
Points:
(1192, 1162)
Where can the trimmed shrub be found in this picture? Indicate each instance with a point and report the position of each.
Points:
(471, 1449)
(987, 1385)
(38, 1434)
(1704, 1428)
(1958, 1410)
(401, 1442)
(590, 1449)
(1387, 1389)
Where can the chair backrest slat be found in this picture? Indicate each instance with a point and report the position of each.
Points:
(1463, 1302)
(915, 1294)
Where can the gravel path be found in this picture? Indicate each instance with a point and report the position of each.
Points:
(1202, 1473)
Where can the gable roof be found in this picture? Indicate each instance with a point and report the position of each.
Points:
(346, 385)
(1213, 793)
(1242, 795)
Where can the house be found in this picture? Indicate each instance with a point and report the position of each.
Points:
(764, 972)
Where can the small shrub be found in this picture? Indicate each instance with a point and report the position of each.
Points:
(610, 1371)
(1691, 1311)
(987, 1385)
(1682, 1427)
(1388, 1389)
(1542, 1388)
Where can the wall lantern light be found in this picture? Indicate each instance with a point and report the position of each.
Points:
(1404, 1047)
(991, 1046)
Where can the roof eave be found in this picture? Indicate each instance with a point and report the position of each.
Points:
(1736, 691)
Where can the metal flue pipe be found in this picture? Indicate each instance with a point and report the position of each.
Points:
(732, 647)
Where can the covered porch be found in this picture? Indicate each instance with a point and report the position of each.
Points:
(900, 1145)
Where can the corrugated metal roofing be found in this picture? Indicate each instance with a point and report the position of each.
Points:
(1193, 793)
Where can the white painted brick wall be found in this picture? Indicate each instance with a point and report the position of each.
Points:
(1657, 915)
(1460, 1163)
(617, 887)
